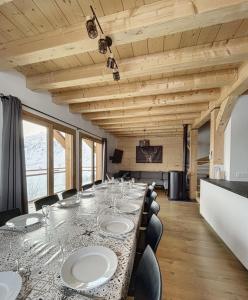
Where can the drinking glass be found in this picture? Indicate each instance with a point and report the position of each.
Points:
(45, 212)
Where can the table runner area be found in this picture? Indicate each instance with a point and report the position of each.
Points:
(70, 229)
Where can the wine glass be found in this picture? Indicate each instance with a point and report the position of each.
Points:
(45, 212)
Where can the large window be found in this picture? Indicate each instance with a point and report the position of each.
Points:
(91, 160)
(63, 159)
(36, 145)
(49, 156)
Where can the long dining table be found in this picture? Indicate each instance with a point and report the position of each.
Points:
(41, 249)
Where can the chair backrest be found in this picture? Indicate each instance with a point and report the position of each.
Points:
(6, 215)
(98, 182)
(149, 191)
(69, 193)
(87, 186)
(154, 195)
(148, 203)
(154, 209)
(148, 280)
(154, 232)
(49, 200)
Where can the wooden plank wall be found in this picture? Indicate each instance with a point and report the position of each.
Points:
(172, 154)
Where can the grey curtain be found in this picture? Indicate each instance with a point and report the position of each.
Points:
(105, 157)
(13, 193)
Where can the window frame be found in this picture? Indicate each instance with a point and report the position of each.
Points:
(93, 140)
(51, 125)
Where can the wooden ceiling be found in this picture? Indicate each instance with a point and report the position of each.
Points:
(178, 59)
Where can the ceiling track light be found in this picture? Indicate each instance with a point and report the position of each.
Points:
(104, 43)
(116, 74)
(91, 27)
(111, 63)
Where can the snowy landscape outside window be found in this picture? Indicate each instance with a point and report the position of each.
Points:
(49, 156)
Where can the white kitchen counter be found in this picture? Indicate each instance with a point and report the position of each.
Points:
(227, 213)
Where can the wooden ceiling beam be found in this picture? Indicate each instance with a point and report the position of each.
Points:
(141, 132)
(5, 1)
(227, 100)
(168, 63)
(147, 128)
(151, 111)
(162, 124)
(157, 134)
(146, 101)
(159, 118)
(161, 18)
(148, 131)
(177, 84)
(229, 97)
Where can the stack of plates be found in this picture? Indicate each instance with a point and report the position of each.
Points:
(89, 267)
(10, 285)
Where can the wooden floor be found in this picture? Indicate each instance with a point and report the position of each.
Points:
(195, 263)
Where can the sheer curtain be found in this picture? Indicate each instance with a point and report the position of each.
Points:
(13, 192)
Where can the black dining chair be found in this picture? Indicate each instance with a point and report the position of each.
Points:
(6, 215)
(69, 193)
(154, 232)
(49, 200)
(87, 186)
(154, 195)
(148, 236)
(154, 209)
(98, 182)
(149, 190)
(146, 284)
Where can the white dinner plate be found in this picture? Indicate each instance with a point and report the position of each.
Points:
(25, 220)
(10, 285)
(139, 188)
(89, 267)
(86, 194)
(127, 207)
(116, 225)
(141, 184)
(135, 194)
(68, 202)
(101, 187)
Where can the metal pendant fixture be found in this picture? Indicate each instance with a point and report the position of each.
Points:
(145, 142)
(104, 43)
(91, 27)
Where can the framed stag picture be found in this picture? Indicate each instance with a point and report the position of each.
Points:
(149, 154)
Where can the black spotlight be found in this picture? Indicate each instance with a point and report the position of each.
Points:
(91, 27)
(104, 43)
(111, 64)
(116, 74)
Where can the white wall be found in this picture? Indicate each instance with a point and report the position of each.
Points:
(236, 143)
(14, 83)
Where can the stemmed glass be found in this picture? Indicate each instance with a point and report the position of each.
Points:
(17, 249)
(45, 212)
